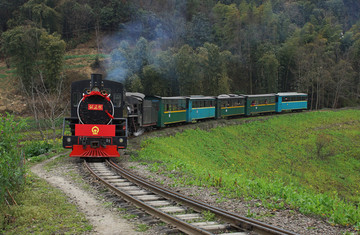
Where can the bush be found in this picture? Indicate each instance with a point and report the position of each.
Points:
(36, 148)
(11, 167)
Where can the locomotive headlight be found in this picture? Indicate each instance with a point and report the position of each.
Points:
(68, 139)
(121, 140)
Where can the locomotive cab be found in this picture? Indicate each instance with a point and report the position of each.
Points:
(97, 126)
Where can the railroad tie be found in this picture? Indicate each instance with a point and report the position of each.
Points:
(211, 226)
(236, 233)
(148, 197)
(129, 188)
(111, 177)
(159, 203)
(138, 192)
(188, 216)
(122, 184)
(116, 180)
(172, 209)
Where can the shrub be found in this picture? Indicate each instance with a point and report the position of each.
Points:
(36, 148)
(11, 167)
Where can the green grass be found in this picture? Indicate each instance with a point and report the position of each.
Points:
(142, 227)
(55, 163)
(92, 56)
(307, 161)
(11, 71)
(76, 66)
(42, 209)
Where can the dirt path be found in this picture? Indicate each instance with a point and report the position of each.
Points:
(103, 220)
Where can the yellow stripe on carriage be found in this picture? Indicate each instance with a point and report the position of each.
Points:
(302, 101)
(232, 107)
(263, 105)
(204, 108)
(178, 111)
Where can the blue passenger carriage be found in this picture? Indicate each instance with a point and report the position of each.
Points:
(200, 107)
(291, 101)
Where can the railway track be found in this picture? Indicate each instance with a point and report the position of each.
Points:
(186, 214)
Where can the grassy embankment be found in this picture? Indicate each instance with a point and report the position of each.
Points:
(42, 209)
(307, 161)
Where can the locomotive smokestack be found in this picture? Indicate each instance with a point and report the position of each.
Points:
(96, 81)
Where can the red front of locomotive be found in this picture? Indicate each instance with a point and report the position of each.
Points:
(96, 129)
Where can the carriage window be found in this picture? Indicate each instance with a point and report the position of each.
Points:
(193, 104)
(182, 104)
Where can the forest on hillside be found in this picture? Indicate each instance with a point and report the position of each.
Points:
(184, 47)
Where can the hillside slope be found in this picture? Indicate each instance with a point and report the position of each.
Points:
(307, 161)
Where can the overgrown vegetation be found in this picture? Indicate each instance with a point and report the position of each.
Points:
(36, 148)
(308, 162)
(36, 213)
(12, 167)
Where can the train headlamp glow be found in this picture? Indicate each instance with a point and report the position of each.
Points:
(68, 139)
(121, 140)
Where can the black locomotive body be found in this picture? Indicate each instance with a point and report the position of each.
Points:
(97, 124)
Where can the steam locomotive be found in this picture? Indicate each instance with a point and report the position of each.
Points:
(103, 114)
(97, 124)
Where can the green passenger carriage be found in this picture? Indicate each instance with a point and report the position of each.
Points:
(230, 105)
(170, 110)
(259, 104)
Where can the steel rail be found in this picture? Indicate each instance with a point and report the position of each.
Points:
(181, 225)
(235, 220)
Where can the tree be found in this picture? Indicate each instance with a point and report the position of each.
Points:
(42, 14)
(127, 60)
(165, 65)
(77, 19)
(6, 9)
(187, 71)
(153, 82)
(135, 84)
(199, 31)
(342, 78)
(22, 44)
(214, 63)
(268, 73)
(33, 51)
(115, 12)
(38, 57)
(51, 54)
